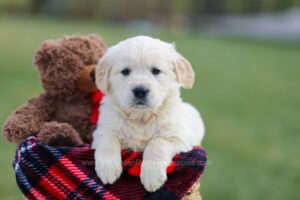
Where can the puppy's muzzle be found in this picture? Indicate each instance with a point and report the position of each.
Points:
(140, 93)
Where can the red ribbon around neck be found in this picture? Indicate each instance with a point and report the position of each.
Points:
(96, 98)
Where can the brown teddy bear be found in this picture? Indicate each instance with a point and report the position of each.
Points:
(60, 115)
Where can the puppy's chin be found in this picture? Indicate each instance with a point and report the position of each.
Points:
(140, 104)
(132, 105)
(148, 104)
(140, 107)
(135, 107)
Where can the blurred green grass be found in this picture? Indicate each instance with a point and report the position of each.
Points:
(248, 94)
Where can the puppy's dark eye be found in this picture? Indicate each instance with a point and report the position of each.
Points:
(126, 72)
(155, 71)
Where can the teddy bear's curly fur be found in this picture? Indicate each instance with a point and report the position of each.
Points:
(60, 115)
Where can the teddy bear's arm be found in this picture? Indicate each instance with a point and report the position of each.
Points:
(27, 119)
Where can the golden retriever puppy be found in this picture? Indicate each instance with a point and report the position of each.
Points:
(142, 109)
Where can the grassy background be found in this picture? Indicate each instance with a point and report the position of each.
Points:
(248, 93)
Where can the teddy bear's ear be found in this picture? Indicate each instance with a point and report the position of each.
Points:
(184, 72)
(103, 69)
(96, 38)
(44, 54)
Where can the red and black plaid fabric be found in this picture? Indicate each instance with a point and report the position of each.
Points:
(45, 172)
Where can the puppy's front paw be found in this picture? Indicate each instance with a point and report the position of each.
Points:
(108, 169)
(153, 176)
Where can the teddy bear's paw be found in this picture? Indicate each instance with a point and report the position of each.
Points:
(16, 132)
(108, 169)
(153, 176)
(59, 134)
(60, 139)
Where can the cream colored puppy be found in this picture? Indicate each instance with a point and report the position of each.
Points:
(142, 109)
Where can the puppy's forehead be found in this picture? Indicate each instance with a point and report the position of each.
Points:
(144, 42)
(142, 49)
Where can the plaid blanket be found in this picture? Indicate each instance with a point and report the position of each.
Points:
(45, 172)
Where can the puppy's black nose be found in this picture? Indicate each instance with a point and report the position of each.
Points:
(140, 92)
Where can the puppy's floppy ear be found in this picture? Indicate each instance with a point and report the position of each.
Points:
(103, 69)
(184, 72)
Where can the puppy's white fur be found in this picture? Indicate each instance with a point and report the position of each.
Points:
(161, 128)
